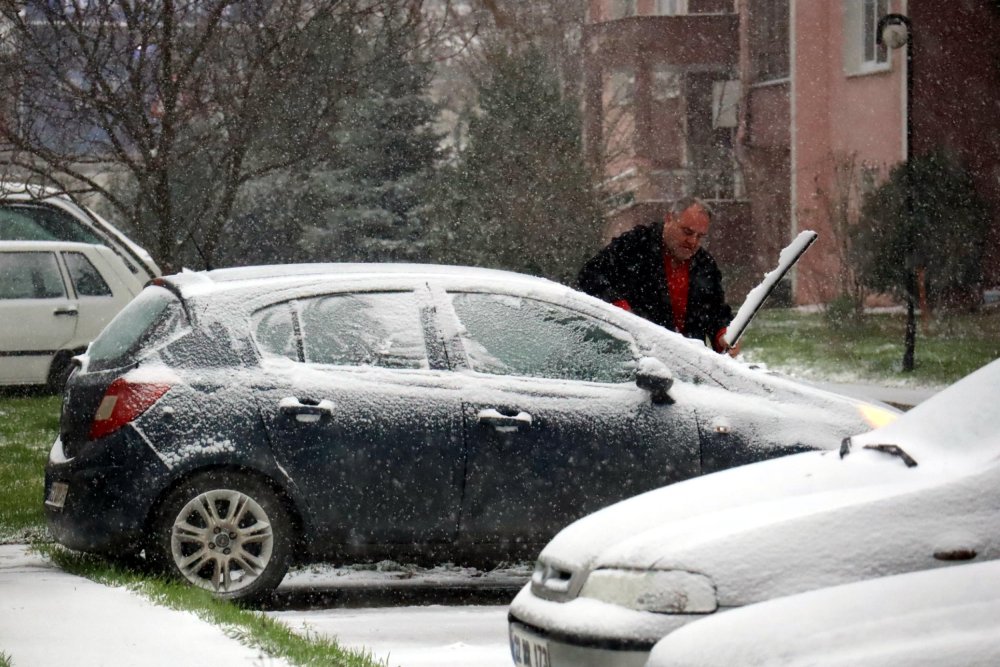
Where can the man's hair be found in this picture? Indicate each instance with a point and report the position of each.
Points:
(684, 203)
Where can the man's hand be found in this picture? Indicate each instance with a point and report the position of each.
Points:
(724, 348)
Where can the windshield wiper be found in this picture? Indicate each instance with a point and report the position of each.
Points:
(895, 450)
(892, 450)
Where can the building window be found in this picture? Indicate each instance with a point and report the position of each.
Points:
(862, 53)
(670, 7)
(874, 10)
(666, 84)
(769, 39)
(621, 87)
(622, 8)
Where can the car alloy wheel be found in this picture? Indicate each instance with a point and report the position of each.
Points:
(228, 534)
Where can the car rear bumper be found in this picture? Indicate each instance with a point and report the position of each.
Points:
(97, 503)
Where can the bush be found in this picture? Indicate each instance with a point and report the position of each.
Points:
(927, 215)
(843, 310)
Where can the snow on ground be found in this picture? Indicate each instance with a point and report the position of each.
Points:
(415, 636)
(49, 617)
(409, 635)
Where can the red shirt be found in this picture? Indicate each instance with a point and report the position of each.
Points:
(678, 279)
(678, 282)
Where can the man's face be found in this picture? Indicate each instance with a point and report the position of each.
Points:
(682, 234)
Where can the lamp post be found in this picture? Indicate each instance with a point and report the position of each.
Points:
(896, 31)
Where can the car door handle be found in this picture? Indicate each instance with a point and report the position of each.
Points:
(70, 311)
(504, 423)
(308, 411)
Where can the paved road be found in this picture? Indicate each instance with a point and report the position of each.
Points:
(444, 616)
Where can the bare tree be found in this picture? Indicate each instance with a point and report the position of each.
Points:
(839, 199)
(186, 101)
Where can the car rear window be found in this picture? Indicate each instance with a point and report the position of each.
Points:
(149, 319)
(39, 222)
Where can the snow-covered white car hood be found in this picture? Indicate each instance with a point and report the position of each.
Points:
(747, 512)
(941, 617)
(699, 506)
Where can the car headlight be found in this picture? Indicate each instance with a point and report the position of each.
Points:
(661, 591)
(876, 416)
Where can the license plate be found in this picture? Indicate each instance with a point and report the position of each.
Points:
(57, 495)
(528, 649)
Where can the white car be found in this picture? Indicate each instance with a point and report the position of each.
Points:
(945, 616)
(55, 297)
(32, 213)
(919, 493)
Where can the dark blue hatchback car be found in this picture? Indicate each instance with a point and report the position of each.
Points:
(230, 423)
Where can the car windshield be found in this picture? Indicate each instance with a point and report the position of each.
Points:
(151, 317)
(38, 222)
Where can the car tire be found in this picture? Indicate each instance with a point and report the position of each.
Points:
(59, 371)
(225, 532)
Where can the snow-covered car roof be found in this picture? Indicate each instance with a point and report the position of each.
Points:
(936, 617)
(192, 283)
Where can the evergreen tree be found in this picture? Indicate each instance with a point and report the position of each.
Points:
(923, 233)
(927, 218)
(364, 201)
(519, 196)
(387, 150)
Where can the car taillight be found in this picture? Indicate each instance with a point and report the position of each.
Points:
(124, 401)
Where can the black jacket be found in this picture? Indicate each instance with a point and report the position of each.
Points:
(631, 268)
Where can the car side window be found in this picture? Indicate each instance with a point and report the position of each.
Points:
(505, 335)
(274, 331)
(364, 329)
(30, 275)
(86, 278)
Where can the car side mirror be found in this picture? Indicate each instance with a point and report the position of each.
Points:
(653, 376)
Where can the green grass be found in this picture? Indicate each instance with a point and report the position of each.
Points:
(807, 344)
(5, 660)
(28, 427)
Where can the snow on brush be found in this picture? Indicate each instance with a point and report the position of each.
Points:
(755, 298)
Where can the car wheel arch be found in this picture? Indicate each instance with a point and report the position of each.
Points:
(60, 368)
(288, 502)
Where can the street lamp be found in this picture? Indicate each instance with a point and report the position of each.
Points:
(896, 31)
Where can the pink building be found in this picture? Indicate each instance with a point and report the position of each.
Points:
(783, 113)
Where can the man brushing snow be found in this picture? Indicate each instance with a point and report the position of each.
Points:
(662, 273)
